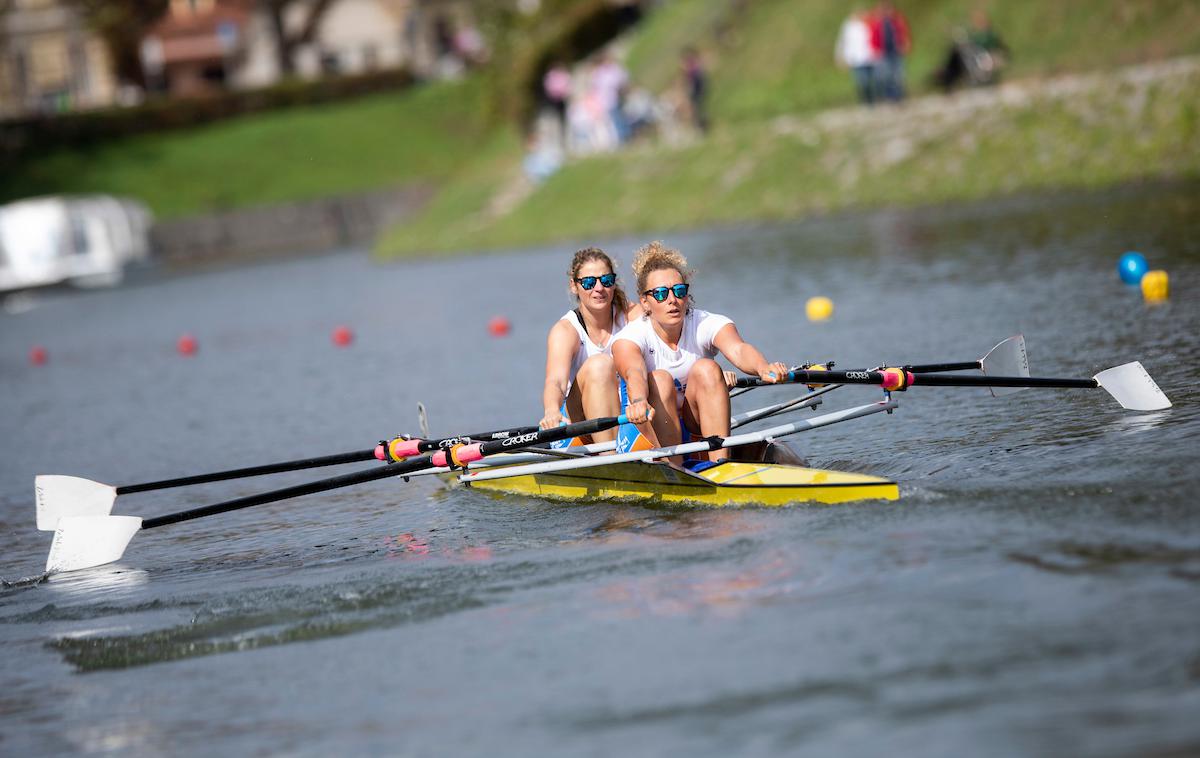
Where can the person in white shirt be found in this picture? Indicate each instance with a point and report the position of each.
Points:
(854, 51)
(666, 356)
(580, 376)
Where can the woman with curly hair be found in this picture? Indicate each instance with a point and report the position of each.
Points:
(581, 380)
(666, 357)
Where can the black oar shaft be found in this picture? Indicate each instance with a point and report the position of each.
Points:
(382, 472)
(240, 473)
(969, 380)
(303, 463)
(345, 480)
(930, 380)
(932, 367)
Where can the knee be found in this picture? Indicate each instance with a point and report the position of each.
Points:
(706, 374)
(662, 384)
(598, 368)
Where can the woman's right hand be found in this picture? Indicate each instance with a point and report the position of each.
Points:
(638, 412)
(551, 420)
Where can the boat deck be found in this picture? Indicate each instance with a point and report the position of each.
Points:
(730, 483)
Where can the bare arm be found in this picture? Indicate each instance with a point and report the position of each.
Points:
(632, 368)
(746, 356)
(560, 351)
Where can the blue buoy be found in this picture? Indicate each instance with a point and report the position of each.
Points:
(1132, 267)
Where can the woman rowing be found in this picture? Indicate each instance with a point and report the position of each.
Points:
(581, 380)
(666, 357)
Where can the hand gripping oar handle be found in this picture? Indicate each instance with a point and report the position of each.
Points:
(361, 477)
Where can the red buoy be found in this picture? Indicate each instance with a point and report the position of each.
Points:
(342, 336)
(499, 326)
(187, 345)
(38, 355)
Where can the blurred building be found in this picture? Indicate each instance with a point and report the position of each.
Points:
(196, 46)
(202, 45)
(50, 61)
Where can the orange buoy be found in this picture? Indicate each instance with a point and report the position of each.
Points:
(499, 326)
(187, 345)
(342, 336)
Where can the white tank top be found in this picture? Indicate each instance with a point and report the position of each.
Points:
(695, 342)
(587, 348)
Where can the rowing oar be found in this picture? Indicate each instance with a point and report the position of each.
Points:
(1129, 384)
(58, 495)
(86, 541)
(1007, 358)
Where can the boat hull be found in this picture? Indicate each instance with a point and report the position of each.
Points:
(731, 483)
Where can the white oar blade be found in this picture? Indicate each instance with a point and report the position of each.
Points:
(85, 541)
(58, 496)
(1133, 388)
(1007, 359)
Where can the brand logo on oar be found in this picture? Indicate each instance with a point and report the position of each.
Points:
(524, 438)
(446, 444)
(858, 375)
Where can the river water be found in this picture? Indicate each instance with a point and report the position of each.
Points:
(1036, 590)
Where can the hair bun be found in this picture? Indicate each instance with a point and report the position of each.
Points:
(655, 256)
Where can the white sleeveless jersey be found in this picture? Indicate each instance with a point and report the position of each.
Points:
(587, 348)
(695, 342)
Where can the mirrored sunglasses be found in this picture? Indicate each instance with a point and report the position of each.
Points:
(660, 293)
(589, 282)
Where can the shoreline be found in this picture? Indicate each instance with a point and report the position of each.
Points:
(1079, 132)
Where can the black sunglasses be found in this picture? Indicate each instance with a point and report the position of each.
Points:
(589, 282)
(660, 293)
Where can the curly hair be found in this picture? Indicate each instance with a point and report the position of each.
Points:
(655, 256)
(620, 301)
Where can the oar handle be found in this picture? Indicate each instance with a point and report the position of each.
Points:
(461, 455)
(400, 448)
(239, 473)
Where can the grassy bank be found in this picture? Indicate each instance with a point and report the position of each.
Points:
(1078, 132)
(420, 135)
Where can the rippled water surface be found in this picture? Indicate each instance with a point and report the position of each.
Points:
(1035, 591)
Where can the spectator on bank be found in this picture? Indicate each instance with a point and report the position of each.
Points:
(854, 52)
(640, 111)
(976, 56)
(891, 41)
(590, 126)
(608, 83)
(556, 87)
(695, 84)
(543, 158)
(469, 46)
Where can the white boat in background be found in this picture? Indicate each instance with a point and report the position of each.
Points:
(81, 240)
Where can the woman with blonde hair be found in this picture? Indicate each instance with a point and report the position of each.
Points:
(581, 380)
(666, 357)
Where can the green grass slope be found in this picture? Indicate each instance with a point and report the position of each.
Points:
(420, 135)
(773, 155)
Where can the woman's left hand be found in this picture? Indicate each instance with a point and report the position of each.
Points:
(731, 378)
(773, 372)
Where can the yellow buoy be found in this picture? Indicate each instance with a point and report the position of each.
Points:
(1155, 286)
(818, 308)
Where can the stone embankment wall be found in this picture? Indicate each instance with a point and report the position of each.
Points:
(284, 229)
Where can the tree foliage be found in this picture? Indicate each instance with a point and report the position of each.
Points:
(122, 24)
